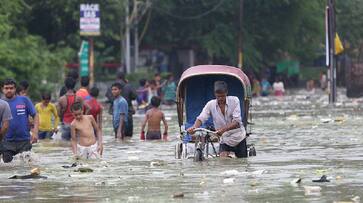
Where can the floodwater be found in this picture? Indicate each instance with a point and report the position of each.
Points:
(298, 136)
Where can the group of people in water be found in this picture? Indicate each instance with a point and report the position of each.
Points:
(264, 87)
(77, 115)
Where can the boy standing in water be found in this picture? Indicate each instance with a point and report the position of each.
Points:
(46, 110)
(85, 127)
(119, 111)
(153, 118)
(96, 108)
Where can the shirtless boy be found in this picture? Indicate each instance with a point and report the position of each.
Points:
(85, 127)
(153, 118)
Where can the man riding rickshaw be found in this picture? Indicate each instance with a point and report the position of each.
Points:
(216, 100)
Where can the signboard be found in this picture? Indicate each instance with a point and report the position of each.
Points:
(89, 21)
(83, 59)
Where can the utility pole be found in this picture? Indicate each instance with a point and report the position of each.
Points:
(136, 35)
(91, 62)
(331, 30)
(240, 36)
(127, 45)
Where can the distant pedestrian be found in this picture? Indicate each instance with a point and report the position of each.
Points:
(256, 87)
(83, 90)
(119, 112)
(71, 74)
(152, 90)
(142, 94)
(323, 81)
(23, 88)
(47, 112)
(278, 87)
(153, 119)
(169, 90)
(96, 107)
(159, 85)
(129, 94)
(266, 87)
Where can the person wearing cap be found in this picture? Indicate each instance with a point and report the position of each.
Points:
(226, 114)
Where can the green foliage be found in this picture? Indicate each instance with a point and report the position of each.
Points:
(37, 37)
(24, 56)
(270, 28)
(350, 26)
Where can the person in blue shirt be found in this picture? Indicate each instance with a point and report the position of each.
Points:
(18, 138)
(266, 87)
(119, 111)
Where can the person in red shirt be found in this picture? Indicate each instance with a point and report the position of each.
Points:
(83, 90)
(64, 107)
(96, 108)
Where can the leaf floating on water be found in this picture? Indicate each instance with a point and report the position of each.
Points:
(323, 179)
(178, 195)
(339, 119)
(295, 182)
(84, 170)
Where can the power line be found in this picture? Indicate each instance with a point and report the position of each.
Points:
(189, 17)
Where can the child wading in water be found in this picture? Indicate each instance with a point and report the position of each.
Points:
(153, 118)
(85, 127)
(46, 110)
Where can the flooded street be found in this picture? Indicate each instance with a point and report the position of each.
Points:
(297, 136)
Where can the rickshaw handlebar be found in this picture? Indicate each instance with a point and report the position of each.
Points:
(205, 130)
(198, 132)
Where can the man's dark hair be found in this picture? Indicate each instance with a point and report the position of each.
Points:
(220, 87)
(73, 74)
(24, 84)
(155, 101)
(156, 74)
(121, 75)
(9, 81)
(94, 92)
(76, 106)
(84, 81)
(117, 84)
(152, 82)
(70, 83)
(142, 82)
(46, 96)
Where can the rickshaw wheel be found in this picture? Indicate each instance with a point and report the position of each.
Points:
(198, 155)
